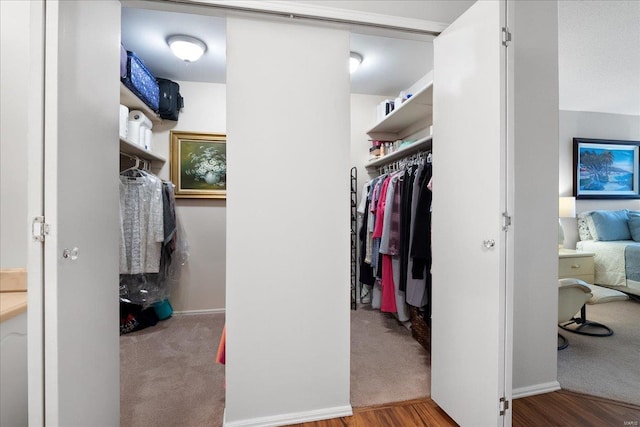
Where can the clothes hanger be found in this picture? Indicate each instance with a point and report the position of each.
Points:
(135, 170)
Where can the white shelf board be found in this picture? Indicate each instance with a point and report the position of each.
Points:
(418, 108)
(419, 145)
(129, 99)
(136, 150)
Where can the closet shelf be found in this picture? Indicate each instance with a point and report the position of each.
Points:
(419, 145)
(416, 110)
(136, 150)
(130, 100)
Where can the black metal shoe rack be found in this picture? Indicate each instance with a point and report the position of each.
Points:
(354, 238)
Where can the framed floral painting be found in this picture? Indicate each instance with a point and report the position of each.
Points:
(199, 165)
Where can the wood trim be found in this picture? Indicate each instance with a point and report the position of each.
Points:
(13, 279)
(196, 312)
(12, 304)
(301, 418)
(392, 404)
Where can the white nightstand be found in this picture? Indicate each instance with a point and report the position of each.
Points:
(575, 264)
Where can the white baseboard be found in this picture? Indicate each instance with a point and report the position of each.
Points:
(535, 389)
(293, 418)
(207, 311)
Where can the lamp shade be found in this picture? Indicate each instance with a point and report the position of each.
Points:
(187, 48)
(355, 59)
(567, 207)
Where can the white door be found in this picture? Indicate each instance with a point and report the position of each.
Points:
(81, 342)
(469, 245)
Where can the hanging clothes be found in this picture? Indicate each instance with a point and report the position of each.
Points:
(390, 249)
(384, 268)
(396, 236)
(366, 271)
(148, 238)
(416, 288)
(421, 242)
(405, 222)
(141, 219)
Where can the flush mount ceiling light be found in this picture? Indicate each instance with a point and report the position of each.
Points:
(355, 59)
(187, 48)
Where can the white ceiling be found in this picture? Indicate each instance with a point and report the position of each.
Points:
(389, 65)
(145, 32)
(599, 49)
(599, 56)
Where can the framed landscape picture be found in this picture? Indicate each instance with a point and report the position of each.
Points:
(199, 165)
(606, 169)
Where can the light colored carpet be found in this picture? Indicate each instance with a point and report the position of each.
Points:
(387, 363)
(605, 366)
(169, 378)
(168, 374)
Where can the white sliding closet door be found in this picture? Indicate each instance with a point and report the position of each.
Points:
(287, 223)
(81, 344)
(469, 358)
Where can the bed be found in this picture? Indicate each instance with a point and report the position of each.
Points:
(614, 238)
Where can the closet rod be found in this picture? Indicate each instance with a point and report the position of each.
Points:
(146, 164)
(282, 14)
(400, 163)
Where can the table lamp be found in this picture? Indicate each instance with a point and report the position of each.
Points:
(566, 209)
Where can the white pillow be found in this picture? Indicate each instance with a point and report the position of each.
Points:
(583, 226)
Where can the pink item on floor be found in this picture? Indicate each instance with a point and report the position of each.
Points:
(222, 353)
(388, 304)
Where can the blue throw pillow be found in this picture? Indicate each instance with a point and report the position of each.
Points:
(611, 225)
(634, 225)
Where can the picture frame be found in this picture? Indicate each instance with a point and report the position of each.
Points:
(606, 169)
(199, 164)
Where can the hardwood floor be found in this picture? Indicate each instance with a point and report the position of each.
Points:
(564, 408)
(411, 413)
(557, 409)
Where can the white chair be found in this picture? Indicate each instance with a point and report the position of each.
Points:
(598, 295)
(572, 297)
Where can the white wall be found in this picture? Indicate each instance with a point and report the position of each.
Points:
(287, 224)
(202, 283)
(13, 133)
(14, 81)
(535, 43)
(363, 118)
(590, 125)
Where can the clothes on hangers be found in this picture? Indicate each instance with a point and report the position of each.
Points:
(405, 222)
(421, 242)
(396, 227)
(365, 270)
(390, 248)
(148, 238)
(417, 285)
(141, 223)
